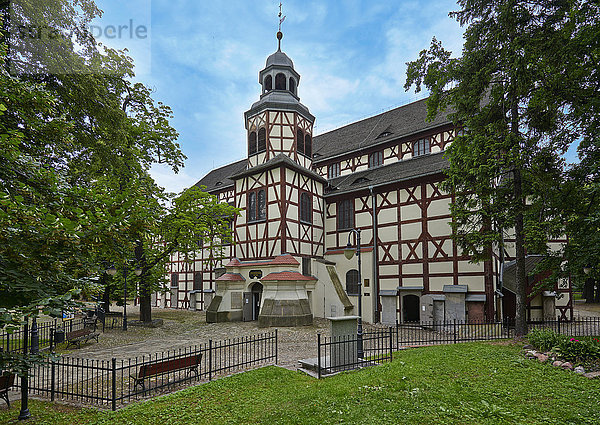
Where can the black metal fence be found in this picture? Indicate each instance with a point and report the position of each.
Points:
(341, 353)
(117, 382)
(13, 342)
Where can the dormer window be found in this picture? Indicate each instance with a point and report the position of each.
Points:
(280, 82)
(421, 147)
(384, 134)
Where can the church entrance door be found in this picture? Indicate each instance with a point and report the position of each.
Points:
(256, 296)
(410, 308)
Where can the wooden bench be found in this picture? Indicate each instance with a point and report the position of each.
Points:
(6, 381)
(82, 335)
(191, 363)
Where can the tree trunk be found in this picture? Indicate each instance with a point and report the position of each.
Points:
(106, 294)
(145, 295)
(588, 290)
(521, 278)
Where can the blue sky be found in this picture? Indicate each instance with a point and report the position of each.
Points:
(203, 57)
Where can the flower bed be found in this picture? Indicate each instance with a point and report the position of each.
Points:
(565, 351)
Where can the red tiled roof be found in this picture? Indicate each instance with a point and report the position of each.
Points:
(287, 276)
(232, 277)
(234, 262)
(284, 259)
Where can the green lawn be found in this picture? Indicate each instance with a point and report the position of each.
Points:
(477, 383)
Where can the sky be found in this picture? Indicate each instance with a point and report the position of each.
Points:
(202, 58)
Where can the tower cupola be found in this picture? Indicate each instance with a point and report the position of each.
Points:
(278, 123)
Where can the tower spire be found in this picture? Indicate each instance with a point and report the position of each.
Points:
(279, 33)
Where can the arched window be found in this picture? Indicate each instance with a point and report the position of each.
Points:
(262, 140)
(262, 205)
(280, 82)
(268, 83)
(305, 208)
(252, 143)
(352, 279)
(252, 206)
(292, 85)
(308, 145)
(300, 141)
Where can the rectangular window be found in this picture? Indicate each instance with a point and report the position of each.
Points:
(345, 214)
(333, 170)
(421, 147)
(305, 208)
(375, 159)
(306, 266)
(174, 280)
(197, 281)
(257, 205)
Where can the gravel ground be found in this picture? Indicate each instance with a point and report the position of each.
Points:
(182, 328)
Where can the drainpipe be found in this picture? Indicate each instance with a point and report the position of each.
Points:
(376, 318)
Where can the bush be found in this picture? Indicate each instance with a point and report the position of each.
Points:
(579, 350)
(545, 339)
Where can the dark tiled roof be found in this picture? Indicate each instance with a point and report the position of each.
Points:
(222, 174)
(279, 159)
(398, 171)
(403, 121)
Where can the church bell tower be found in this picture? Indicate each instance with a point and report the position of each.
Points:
(278, 123)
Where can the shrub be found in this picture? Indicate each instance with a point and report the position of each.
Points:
(545, 339)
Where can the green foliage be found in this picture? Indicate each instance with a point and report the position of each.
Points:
(521, 93)
(545, 339)
(579, 349)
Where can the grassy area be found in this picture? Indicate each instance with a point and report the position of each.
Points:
(478, 383)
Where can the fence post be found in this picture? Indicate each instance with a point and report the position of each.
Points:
(276, 347)
(52, 379)
(210, 359)
(454, 331)
(391, 342)
(114, 384)
(319, 356)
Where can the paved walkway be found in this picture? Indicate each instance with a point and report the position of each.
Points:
(185, 328)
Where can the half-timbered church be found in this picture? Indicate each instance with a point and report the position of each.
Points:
(301, 195)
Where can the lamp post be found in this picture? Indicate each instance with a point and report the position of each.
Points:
(112, 271)
(349, 253)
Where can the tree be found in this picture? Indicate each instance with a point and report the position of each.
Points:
(516, 93)
(75, 193)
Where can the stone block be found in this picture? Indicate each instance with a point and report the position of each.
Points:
(557, 363)
(592, 375)
(567, 365)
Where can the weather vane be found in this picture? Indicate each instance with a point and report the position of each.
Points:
(279, 33)
(281, 19)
